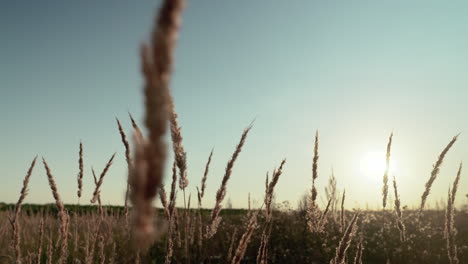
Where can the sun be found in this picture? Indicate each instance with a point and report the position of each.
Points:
(373, 164)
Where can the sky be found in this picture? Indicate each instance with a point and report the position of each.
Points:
(354, 70)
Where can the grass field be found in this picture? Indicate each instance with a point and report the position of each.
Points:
(152, 228)
(290, 240)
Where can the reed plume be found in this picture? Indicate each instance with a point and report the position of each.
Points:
(270, 188)
(165, 204)
(95, 184)
(135, 126)
(180, 155)
(315, 167)
(173, 194)
(387, 170)
(150, 156)
(127, 158)
(101, 179)
(434, 173)
(313, 211)
(14, 221)
(80, 172)
(221, 193)
(205, 175)
(141, 196)
(63, 216)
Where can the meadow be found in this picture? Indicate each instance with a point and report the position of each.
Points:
(96, 238)
(152, 228)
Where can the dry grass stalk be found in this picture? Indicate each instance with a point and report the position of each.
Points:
(399, 215)
(270, 188)
(323, 216)
(262, 250)
(387, 170)
(165, 204)
(49, 251)
(101, 179)
(262, 255)
(75, 236)
(187, 228)
(63, 216)
(135, 126)
(87, 246)
(169, 245)
(41, 238)
(142, 197)
(315, 168)
(313, 211)
(139, 135)
(172, 216)
(92, 240)
(316, 220)
(199, 222)
(245, 239)
(342, 213)
(359, 250)
(127, 158)
(231, 245)
(205, 175)
(180, 155)
(193, 222)
(138, 257)
(14, 221)
(173, 194)
(80, 172)
(178, 230)
(102, 256)
(456, 182)
(147, 172)
(340, 254)
(450, 230)
(113, 254)
(99, 195)
(434, 173)
(221, 193)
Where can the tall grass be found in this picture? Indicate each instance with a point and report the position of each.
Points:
(269, 233)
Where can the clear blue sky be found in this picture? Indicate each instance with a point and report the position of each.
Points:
(355, 70)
